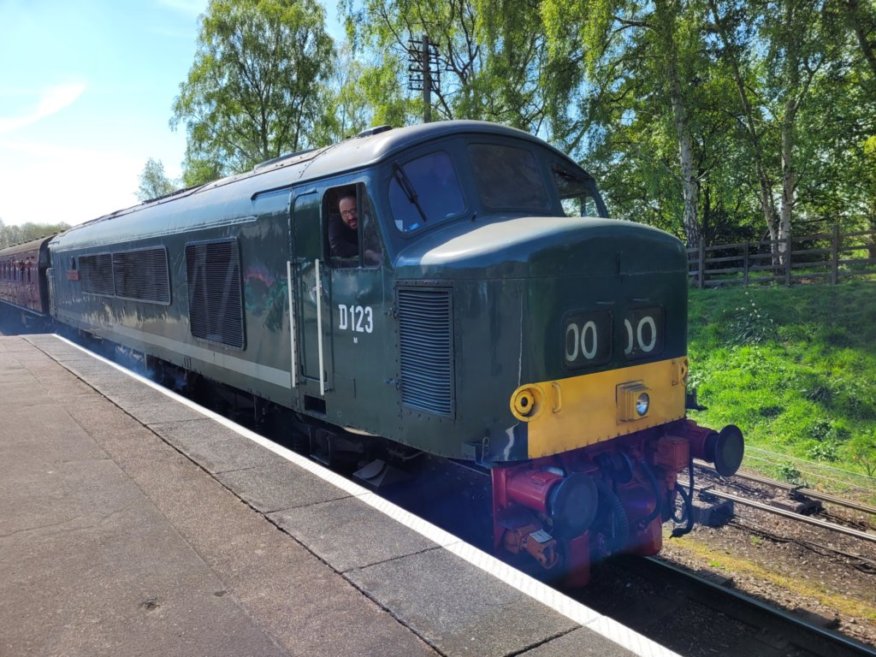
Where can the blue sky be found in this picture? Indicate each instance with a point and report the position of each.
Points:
(86, 89)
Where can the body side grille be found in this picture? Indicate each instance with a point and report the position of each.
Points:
(426, 346)
(215, 299)
(142, 275)
(96, 273)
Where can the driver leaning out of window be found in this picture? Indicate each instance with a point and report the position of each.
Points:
(344, 233)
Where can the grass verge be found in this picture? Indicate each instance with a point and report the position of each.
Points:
(795, 369)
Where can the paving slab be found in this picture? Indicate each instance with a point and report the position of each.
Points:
(163, 411)
(188, 434)
(279, 486)
(578, 643)
(459, 609)
(112, 542)
(348, 534)
(214, 447)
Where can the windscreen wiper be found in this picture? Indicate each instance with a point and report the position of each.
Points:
(407, 188)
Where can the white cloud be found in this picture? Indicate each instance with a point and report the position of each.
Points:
(51, 101)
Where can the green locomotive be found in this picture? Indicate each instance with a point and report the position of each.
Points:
(455, 288)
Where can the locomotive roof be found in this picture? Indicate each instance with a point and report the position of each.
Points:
(277, 174)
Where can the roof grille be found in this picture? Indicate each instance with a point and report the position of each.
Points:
(426, 344)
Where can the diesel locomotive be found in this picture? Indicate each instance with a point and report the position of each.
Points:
(490, 312)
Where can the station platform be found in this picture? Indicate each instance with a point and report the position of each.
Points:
(133, 522)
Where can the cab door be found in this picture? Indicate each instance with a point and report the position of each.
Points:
(310, 294)
(363, 385)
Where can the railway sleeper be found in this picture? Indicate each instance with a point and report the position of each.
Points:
(801, 504)
(713, 513)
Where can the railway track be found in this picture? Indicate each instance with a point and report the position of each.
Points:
(856, 550)
(797, 504)
(799, 492)
(695, 615)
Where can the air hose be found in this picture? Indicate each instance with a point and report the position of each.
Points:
(649, 475)
(687, 499)
(619, 523)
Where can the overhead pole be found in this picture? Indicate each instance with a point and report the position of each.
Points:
(424, 71)
(427, 80)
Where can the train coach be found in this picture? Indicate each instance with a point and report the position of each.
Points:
(23, 282)
(453, 288)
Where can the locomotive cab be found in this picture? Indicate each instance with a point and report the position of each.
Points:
(549, 348)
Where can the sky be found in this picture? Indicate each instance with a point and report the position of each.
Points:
(86, 90)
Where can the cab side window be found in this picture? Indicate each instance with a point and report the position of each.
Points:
(351, 228)
(576, 192)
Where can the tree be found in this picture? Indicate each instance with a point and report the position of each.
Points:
(153, 181)
(645, 61)
(10, 235)
(802, 104)
(721, 119)
(253, 91)
(346, 111)
(492, 59)
(860, 18)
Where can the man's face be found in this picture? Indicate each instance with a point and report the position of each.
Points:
(347, 207)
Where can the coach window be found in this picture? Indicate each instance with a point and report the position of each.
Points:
(351, 228)
(425, 190)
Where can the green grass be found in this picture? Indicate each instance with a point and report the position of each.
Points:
(795, 369)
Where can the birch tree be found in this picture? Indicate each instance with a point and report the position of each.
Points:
(641, 50)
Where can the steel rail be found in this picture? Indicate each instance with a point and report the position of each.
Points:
(788, 617)
(808, 492)
(786, 514)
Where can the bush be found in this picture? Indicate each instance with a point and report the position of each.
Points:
(862, 449)
(824, 451)
(751, 325)
(791, 474)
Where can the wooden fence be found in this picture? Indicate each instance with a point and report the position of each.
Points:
(823, 257)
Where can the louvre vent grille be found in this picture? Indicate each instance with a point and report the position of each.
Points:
(426, 342)
(96, 273)
(142, 275)
(215, 299)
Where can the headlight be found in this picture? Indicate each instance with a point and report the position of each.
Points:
(633, 401)
(642, 404)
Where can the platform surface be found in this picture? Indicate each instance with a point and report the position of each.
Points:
(132, 523)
